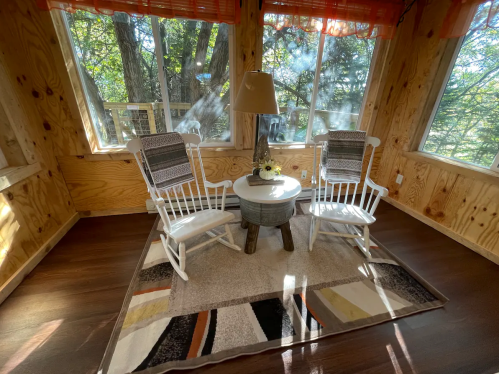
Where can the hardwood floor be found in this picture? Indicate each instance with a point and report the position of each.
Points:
(60, 318)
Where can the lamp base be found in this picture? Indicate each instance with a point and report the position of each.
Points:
(262, 152)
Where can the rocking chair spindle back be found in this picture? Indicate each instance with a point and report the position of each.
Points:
(183, 210)
(336, 200)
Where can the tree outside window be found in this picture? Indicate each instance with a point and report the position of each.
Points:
(465, 126)
(291, 55)
(117, 59)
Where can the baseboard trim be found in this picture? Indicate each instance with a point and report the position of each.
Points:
(15, 280)
(231, 200)
(444, 230)
(112, 212)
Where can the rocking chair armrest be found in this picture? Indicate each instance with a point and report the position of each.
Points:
(381, 190)
(225, 184)
(159, 201)
(313, 183)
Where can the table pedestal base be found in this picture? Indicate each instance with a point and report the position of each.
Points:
(252, 236)
(265, 205)
(287, 238)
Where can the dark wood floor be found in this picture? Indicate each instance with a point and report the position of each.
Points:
(60, 318)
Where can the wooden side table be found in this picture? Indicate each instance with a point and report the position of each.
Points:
(267, 206)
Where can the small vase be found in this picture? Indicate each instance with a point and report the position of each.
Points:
(267, 175)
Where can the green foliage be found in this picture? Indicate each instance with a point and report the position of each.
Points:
(97, 47)
(291, 56)
(179, 38)
(466, 124)
(97, 50)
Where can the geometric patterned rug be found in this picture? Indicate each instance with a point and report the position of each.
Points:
(237, 304)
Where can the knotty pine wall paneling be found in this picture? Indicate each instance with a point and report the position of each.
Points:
(461, 206)
(112, 184)
(441, 195)
(37, 210)
(248, 57)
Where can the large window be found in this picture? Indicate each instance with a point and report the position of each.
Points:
(133, 68)
(314, 96)
(465, 122)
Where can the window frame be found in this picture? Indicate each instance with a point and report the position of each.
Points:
(3, 161)
(495, 164)
(315, 89)
(67, 46)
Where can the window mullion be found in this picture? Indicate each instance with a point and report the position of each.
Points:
(161, 73)
(232, 80)
(495, 163)
(315, 88)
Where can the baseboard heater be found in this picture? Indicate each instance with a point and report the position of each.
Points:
(231, 200)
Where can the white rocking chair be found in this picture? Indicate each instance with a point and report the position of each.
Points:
(197, 219)
(339, 208)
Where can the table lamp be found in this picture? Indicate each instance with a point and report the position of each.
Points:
(257, 95)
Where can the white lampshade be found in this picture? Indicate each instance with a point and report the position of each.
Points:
(257, 94)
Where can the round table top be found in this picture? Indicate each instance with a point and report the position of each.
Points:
(268, 194)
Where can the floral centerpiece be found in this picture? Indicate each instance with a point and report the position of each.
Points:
(269, 168)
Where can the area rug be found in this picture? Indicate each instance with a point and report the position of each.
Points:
(237, 304)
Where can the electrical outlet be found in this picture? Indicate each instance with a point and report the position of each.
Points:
(303, 174)
(399, 179)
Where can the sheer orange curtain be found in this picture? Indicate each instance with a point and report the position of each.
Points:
(226, 11)
(364, 18)
(466, 15)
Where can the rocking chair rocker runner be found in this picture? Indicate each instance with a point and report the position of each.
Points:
(338, 208)
(186, 218)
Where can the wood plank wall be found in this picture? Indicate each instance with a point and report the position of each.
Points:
(112, 184)
(463, 206)
(34, 211)
(72, 180)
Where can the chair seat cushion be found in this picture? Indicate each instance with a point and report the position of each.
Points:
(341, 213)
(196, 223)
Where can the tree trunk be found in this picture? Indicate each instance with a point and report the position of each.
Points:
(199, 60)
(133, 75)
(210, 106)
(97, 102)
(220, 59)
(164, 52)
(209, 109)
(186, 61)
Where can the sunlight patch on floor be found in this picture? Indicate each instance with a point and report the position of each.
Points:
(382, 294)
(41, 336)
(287, 361)
(393, 357)
(403, 346)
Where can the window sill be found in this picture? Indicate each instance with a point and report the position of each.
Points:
(206, 152)
(470, 171)
(13, 175)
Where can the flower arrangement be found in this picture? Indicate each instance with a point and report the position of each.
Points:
(269, 168)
